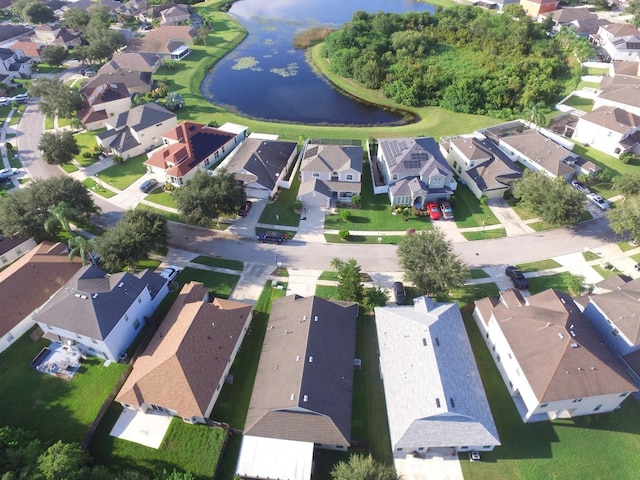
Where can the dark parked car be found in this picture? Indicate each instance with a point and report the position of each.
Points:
(149, 185)
(271, 237)
(399, 294)
(446, 210)
(244, 209)
(517, 278)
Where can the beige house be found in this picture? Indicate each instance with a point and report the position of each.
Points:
(610, 130)
(102, 103)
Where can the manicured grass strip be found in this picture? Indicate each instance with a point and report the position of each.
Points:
(63, 122)
(122, 175)
(185, 447)
(523, 212)
(281, 211)
(368, 239)
(52, 408)
(541, 226)
(580, 103)
(636, 257)
(174, 217)
(478, 273)
(626, 246)
(328, 275)
(149, 263)
(469, 293)
(69, 168)
(607, 272)
(539, 265)
(596, 71)
(468, 210)
(162, 198)
(327, 291)
(557, 281)
(220, 262)
(233, 402)
(590, 256)
(98, 189)
(486, 234)
(48, 123)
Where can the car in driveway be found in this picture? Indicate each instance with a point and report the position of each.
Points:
(517, 278)
(148, 185)
(399, 293)
(446, 211)
(600, 202)
(21, 98)
(243, 211)
(271, 236)
(6, 173)
(434, 213)
(4, 101)
(170, 272)
(580, 186)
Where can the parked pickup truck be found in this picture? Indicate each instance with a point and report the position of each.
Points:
(271, 237)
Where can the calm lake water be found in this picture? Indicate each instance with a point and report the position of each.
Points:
(266, 78)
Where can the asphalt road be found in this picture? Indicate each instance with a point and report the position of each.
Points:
(27, 140)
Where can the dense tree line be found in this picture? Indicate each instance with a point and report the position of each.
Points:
(464, 58)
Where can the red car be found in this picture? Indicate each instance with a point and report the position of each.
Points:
(434, 213)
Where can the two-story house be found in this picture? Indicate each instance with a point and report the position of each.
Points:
(481, 164)
(189, 147)
(170, 41)
(620, 91)
(610, 130)
(182, 370)
(100, 314)
(136, 131)
(621, 41)
(56, 35)
(413, 171)
(140, 62)
(551, 360)
(13, 65)
(330, 173)
(103, 103)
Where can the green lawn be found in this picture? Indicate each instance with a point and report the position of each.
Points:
(485, 234)
(281, 211)
(86, 143)
(478, 273)
(327, 291)
(369, 239)
(590, 256)
(625, 246)
(468, 210)
(161, 197)
(174, 217)
(150, 263)
(607, 272)
(192, 448)
(523, 212)
(539, 265)
(51, 407)
(557, 281)
(636, 257)
(220, 262)
(97, 188)
(233, 402)
(48, 123)
(123, 175)
(579, 103)
(69, 168)
(607, 190)
(467, 294)
(595, 71)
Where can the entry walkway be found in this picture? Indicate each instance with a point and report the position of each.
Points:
(508, 218)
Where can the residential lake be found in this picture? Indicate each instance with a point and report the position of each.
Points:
(266, 78)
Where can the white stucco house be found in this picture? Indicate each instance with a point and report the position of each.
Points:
(100, 314)
(610, 130)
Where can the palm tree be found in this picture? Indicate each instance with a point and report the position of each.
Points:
(534, 115)
(81, 246)
(60, 214)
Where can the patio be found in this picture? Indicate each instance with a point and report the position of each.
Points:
(57, 360)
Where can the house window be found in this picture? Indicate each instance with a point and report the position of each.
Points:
(464, 448)
(398, 449)
(597, 408)
(9, 337)
(126, 317)
(438, 402)
(459, 170)
(424, 342)
(543, 405)
(455, 164)
(3, 259)
(623, 394)
(498, 358)
(395, 176)
(93, 340)
(316, 175)
(576, 400)
(510, 357)
(139, 300)
(615, 332)
(349, 177)
(341, 447)
(79, 336)
(510, 384)
(136, 324)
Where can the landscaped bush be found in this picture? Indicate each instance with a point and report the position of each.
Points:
(344, 234)
(345, 215)
(87, 155)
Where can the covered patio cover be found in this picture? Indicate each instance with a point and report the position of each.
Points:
(262, 457)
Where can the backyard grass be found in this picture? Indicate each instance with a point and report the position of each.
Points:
(233, 402)
(579, 103)
(606, 190)
(220, 262)
(161, 197)
(368, 239)
(485, 234)
(595, 71)
(561, 449)
(185, 447)
(522, 211)
(478, 273)
(539, 265)
(122, 175)
(583, 84)
(63, 122)
(52, 408)
(281, 211)
(468, 210)
(327, 291)
(467, 294)
(557, 281)
(150, 263)
(98, 189)
(590, 256)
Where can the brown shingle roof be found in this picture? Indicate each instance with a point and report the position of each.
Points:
(30, 281)
(621, 305)
(163, 40)
(612, 118)
(186, 358)
(558, 351)
(304, 384)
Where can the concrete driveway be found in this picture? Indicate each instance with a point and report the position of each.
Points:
(446, 467)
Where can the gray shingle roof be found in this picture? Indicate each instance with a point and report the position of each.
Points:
(332, 158)
(304, 384)
(621, 305)
(413, 156)
(433, 390)
(143, 116)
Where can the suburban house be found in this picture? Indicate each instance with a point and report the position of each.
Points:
(100, 314)
(174, 14)
(550, 358)
(169, 41)
(412, 171)
(135, 81)
(533, 8)
(481, 165)
(12, 248)
(330, 173)
(41, 271)
(620, 41)
(133, 8)
(610, 130)
(190, 147)
(135, 131)
(184, 367)
(260, 164)
(11, 33)
(14, 64)
(104, 102)
(565, 17)
(539, 152)
(26, 48)
(140, 62)
(302, 395)
(621, 92)
(56, 35)
(434, 394)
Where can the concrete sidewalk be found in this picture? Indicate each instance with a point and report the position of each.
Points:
(508, 218)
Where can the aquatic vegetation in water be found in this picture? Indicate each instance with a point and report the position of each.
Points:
(247, 63)
(290, 71)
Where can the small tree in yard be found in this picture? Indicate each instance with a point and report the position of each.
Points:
(345, 215)
(54, 55)
(350, 286)
(174, 101)
(344, 234)
(375, 296)
(360, 467)
(58, 148)
(575, 285)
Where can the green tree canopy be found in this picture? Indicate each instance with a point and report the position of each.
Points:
(75, 19)
(429, 262)
(552, 199)
(55, 97)
(58, 148)
(63, 461)
(60, 215)
(361, 467)
(633, 8)
(207, 196)
(54, 54)
(625, 218)
(350, 286)
(628, 184)
(375, 296)
(33, 11)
